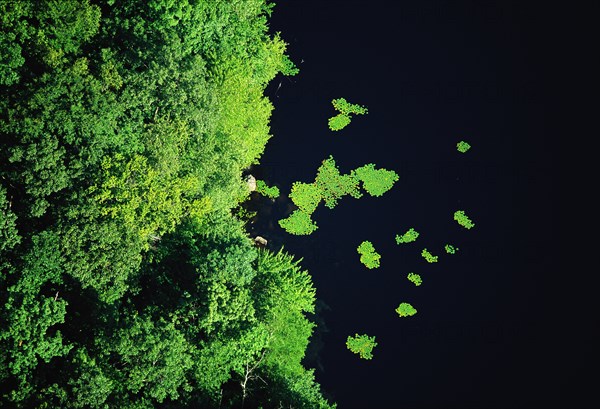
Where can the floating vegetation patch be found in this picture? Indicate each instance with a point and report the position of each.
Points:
(462, 146)
(430, 258)
(415, 279)
(376, 181)
(272, 192)
(346, 110)
(408, 237)
(406, 310)
(368, 256)
(450, 249)
(462, 219)
(298, 223)
(362, 345)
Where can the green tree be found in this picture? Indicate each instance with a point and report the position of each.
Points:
(463, 220)
(368, 256)
(362, 345)
(406, 310)
(408, 237)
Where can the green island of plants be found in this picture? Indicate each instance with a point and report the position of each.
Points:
(298, 223)
(362, 345)
(462, 146)
(127, 281)
(430, 258)
(408, 237)
(450, 249)
(406, 310)
(414, 278)
(272, 192)
(463, 220)
(368, 256)
(346, 110)
(330, 186)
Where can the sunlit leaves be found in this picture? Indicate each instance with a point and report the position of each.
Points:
(334, 185)
(463, 220)
(408, 237)
(362, 345)
(306, 196)
(340, 121)
(450, 249)
(368, 256)
(406, 310)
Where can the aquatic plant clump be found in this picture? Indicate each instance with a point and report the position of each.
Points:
(408, 237)
(450, 249)
(406, 310)
(272, 192)
(334, 185)
(298, 223)
(368, 256)
(376, 181)
(306, 196)
(430, 258)
(462, 146)
(415, 279)
(345, 109)
(362, 345)
(462, 219)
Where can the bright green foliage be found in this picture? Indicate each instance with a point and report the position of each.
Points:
(345, 109)
(430, 258)
(450, 249)
(462, 219)
(306, 196)
(9, 236)
(376, 181)
(408, 237)
(340, 121)
(126, 128)
(334, 185)
(272, 192)
(368, 256)
(406, 310)
(415, 279)
(462, 146)
(298, 223)
(362, 345)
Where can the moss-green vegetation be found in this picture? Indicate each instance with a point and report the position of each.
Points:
(462, 146)
(330, 185)
(406, 310)
(376, 181)
(272, 192)
(408, 237)
(462, 219)
(450, 249)
(126, 281)
(298, 223)
(368, 256)
(362, 345)
(415, 279)
(346, 110)
(430, 258)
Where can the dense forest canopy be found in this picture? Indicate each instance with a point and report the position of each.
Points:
(127, 282)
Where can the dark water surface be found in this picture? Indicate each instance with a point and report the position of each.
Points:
(496, 325)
